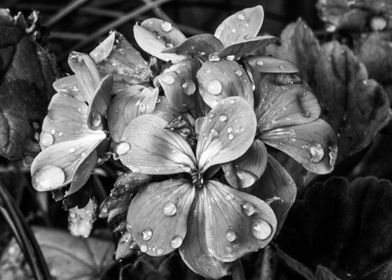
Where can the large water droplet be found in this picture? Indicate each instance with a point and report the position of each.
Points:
(189, 87)
(46, 139)
(214, 87)
(378, 23)
(168, 79)
(122, 148)
(316, 152)
(248, 209)
(48, 177)
(176, 242)
(143, 248)
(169, 209)
(223, 118)
(147, 234)
(261, 229)
(230, 235)
(166, 26)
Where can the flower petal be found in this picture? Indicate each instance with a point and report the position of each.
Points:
(55, 166)
(284, 100)
(158, 216)
(164, 110)
(68, 85)
(130, 102)
(237, 223)
(244, 24)
(200, 46)
(86, 74)
(221, 79)
(268, 64)
(155, 35)
(154, 149)
(246, 170)
(277, 188)
(247, 46)
(314, 144)
(115, 55)
(227, 133)
(100, 103)
(195, 251)
(178, 84)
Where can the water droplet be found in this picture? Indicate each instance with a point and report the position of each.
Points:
(169, 209)
(53, 131)
(176, 242)
(46, 139)
(223, 118)
(83, 154)
(230, 136)
(214, 87)
(72, 150)
(214, 133)
(378, 23)
(316, 152)
(61, 134)
(166, 26)
(48, 177)
(231, 236)
(213, 57)
(122, 148)
(261, 229)
(159, 252)
(168, 79)
(142, 107)
(333, 154)
(232, 101)
(96, 119)
(169, 45)
(229, 129)
(248, 209)
(230, 57)
(331, 28)
(260, 63)
(241, 16)
(189, 87)
(143, 248)
(233, 30)
(306, 114)
(281, 67)
(147, 234)
(239, 73)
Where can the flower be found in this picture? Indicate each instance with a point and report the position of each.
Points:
(211, 223)
(73, 128)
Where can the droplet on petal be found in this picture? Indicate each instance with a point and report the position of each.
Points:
(189, 87)
(53, 131)
(143, 248)
(230, 136)
(223, 118)
(72, 150)
(96, 120)
(331, 28)
(168, 79)
(248, 209)
(239, 73)
(260, 63)
(230, 235)
(169, 209)
(176, 242)
(213, 57)
(48, 177)
(241, 16)
(261, 229)
(122, 148)
(166, 26)
(46, 139)
(378, 23)
(214, 87)
(146, 234)
(316, 153)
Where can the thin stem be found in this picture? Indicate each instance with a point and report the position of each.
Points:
(159, 12)
(74, 5)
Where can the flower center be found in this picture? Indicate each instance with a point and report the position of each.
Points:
(197, 179)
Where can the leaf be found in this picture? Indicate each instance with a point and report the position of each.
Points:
(27, 72)
(355, 107)
(88, 258)
(267, 64)
(353, 221)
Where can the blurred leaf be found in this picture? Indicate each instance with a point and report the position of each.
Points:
(356, 107)
(26, 75)
(68, 257)
(344, 226)
(323, 273)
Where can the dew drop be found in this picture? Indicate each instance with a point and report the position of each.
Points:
(231, 236)
(166, 26)
(147, 234)
(169, 209)
(168, 79)
(142, 108)
(213, 57)
(233, 30)
(96, 119)
(261, 229)
(72, 150)
(333, 153)
(378, 23)
(143, 248)
(260, 63)
(48, 178)
(223, 118)
(307, 114)
(248, 209)
(176, 242)
(239, 73)
(122, 148)
(169, 45)
(230, 136)
(214, 87)
(46, 139)
(316, 153)
(241, 16)
(229, 129)
(230, 57)
(331, 28)
(189, 87)
(159, 252)
(281, 67)
(53, 131)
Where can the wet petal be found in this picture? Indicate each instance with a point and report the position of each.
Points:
(248, 46)
(314, 144)
(195, 251)
(154, 149)
(237, 223)
(221, 79)
(244, 24)
(115, 55)
(227, 133)
(155, 35)
(86, 74)
(267, 64)
(55, 166)
(284, 100)
(158, 216)
(200, 46)
(130, 102)
(246, 170)
(164, 110)
(178, 84)
(100, 103)
(68, 85)
(277, 188)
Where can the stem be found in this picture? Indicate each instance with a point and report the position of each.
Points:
(24, 236)
(74, 5)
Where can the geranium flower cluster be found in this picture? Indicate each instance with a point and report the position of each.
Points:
(196, 121)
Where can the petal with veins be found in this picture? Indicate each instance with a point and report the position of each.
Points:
(267, 64)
